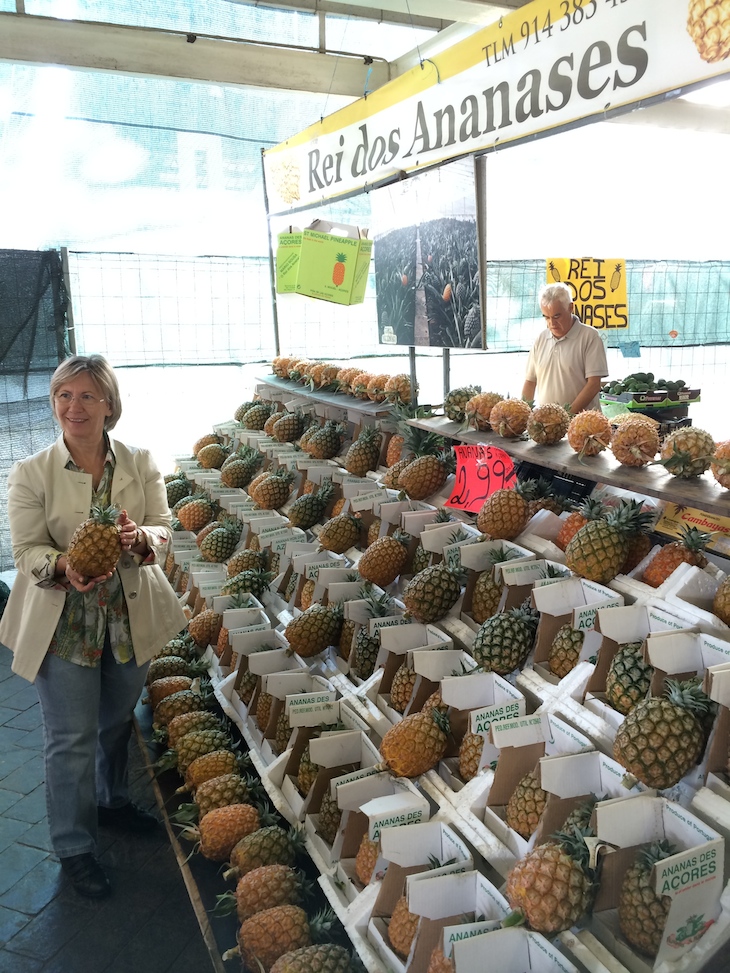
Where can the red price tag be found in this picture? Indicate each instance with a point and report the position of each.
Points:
(480, 471)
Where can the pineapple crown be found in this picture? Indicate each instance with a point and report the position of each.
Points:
(368, 434)
(402, 536)
(325, 491)
(420, 442)
(688, 694)
(443, 516)
(498, 555)
(377, 606)
(573, 843)
(653, 852)
(552, 571)
(693, 539)
(628, 518)
(104, 515)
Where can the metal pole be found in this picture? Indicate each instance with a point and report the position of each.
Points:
(272, 262)
(70, 328)
(414, 380)
(447, 369)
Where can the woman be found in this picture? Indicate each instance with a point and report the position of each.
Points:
(87, 642)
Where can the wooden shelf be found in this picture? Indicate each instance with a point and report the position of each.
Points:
(702, 492)
(328, 398)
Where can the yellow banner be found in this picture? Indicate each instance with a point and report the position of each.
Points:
(598, 286)
(677, 516)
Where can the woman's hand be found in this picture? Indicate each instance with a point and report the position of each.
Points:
(131, 537)
(78, 581)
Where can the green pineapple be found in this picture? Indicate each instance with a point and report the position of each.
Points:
(363, 454)
(629, 677)
(642, 914)
(504, 641)
(455, 402)
(565, 650)
(432, 593)
(310, 507)
(219, 544)
(256, 582)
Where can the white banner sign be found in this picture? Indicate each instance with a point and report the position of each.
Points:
(548, 65)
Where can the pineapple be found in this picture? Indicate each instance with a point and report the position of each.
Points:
(309, 508)
(263, 710)
(687, 452)
(470, 754)
(721, 601)
(205, 440)
(205, 627)
(439, 963)
(402, 927)
(363, 454)
(221, 828)
(547, 424)
(220, 792)
(174, 665)
(642, 914)
(273, 418)
(509, 418)
(391, 477)
(526, 805)
(263, 888)
(589, 432)
(487, 592)
(213, 456)
(257, 415)
(344, 379)
(393, 453)
(662, 737)
(384, 559)
(720, 465)
(504, 515)
(196, 513)
(376, 388)
(359, 385)
(588, 509)
(193, 745)
(328, 818)
(182, 701)
(177, 488)
(456, 400)
(270, 845)
(639, 545)
(366, 646)
(239, 472)
(305, 596)
(246, 560)
(425, 475)
(541, 496)
(166, 686)
(186, 722)
(320, 958)
(254, 581)
(373, 531)
(505, 640)
(635, 443)
(366, 859)
(273, 492)
(553, 885)
(347, 634)
(95, 547)
(220, 543)
(398, 389)
(479, 408)
(565, 650)
(282, 732)
(242, 410)
(289, 427)
(416, 744)
(267, 935)
(326, 442)
(432, 593)
(687, 550)
(401, 688)
(340, 533)
(708, 24)
(307, 772)
(210, 765)
(599, 549)
(629, 677)
(314, 630)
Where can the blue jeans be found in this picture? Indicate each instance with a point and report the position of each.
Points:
(87, 722)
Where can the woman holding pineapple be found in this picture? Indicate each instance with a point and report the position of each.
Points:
(89, 607)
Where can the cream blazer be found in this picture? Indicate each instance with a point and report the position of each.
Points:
(46, 502)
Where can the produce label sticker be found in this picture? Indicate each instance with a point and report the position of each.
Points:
(598, 286)
(480, 471)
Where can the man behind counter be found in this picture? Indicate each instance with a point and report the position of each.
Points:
(568, 360)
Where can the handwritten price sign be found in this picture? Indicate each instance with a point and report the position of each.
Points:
(480, 471)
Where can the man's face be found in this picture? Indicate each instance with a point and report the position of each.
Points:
(559, 319)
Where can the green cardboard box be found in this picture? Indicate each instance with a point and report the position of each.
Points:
(334, 262)
(288, 249)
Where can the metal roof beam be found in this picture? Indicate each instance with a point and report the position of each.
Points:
(148, 52)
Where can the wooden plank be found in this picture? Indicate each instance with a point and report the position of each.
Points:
(703, 492)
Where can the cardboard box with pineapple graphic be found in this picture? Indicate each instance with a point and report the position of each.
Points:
(334, 261)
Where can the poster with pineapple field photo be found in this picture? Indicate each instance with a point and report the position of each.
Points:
(426, 259)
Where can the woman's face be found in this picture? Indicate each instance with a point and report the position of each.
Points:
(81, 410)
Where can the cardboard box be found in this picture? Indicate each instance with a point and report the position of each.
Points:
(510, 949)
(692, 878)
(334, 262)
(694, 594)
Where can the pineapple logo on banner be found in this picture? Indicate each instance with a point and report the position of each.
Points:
(598, 286)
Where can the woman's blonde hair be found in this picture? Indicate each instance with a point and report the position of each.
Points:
(103, 374)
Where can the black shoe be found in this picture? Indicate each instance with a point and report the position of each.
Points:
(86, 875)
(128, 817)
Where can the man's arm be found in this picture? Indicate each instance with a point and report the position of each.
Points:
(589, 391)
(528, 391)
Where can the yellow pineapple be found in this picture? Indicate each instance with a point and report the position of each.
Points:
(479, 408)
(589, 432)
(635, 442)
(720, 465)
(708, 24)
(95, 547)
(509, 418)
(548, 424)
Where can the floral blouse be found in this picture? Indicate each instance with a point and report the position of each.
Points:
(82, 627)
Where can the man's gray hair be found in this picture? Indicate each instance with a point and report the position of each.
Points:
(555, 294)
